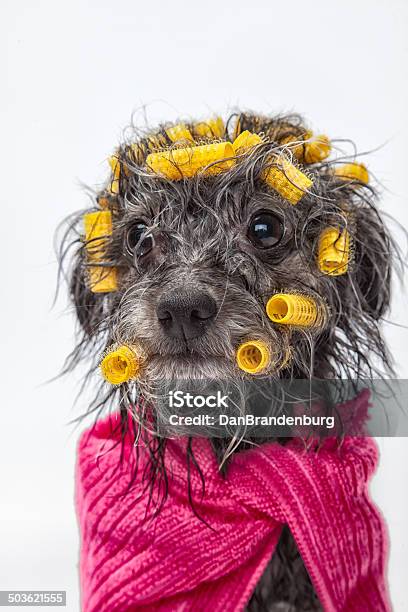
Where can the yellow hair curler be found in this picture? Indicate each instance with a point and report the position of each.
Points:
(296, 143)
(98, 225)
(120, 365)
(253, 356)
(287, 180)
(179, 133)
(353, 172)
(334, 251)
(317, 149)
(115, 166)
(176, 164)
(309, 149)
(213, 128)
(246, 140)
(293, 309)
(284, 177)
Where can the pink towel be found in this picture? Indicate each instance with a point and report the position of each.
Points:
(174, 561)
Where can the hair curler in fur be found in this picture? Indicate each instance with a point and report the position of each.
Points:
(283, 177)
(294, 309)
(287, 180)
(115, 166)
(246, 140)
(309, 149)
(121, 364)
(353, 172)
(334, 251)
(179, 133)
(176, 164)
(98, 225)
(253, 356)
(317, 149)
(213, 128)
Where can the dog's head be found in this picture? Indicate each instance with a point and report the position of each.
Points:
(198, 254)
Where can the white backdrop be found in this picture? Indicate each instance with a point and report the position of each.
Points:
(75, 71)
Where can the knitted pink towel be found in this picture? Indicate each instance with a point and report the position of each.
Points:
(174, 562)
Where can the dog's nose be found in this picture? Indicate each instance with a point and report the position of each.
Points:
(186, 314)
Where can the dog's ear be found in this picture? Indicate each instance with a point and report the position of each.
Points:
(373, 260)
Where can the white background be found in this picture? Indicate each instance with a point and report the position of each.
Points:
(74, 73)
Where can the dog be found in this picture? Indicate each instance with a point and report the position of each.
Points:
(197, 254)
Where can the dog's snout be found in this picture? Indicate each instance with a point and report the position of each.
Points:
(186, 314)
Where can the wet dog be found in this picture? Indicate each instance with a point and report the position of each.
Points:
(196, 257)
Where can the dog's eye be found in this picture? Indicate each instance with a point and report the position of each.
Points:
(265, 230)
(138, 241)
